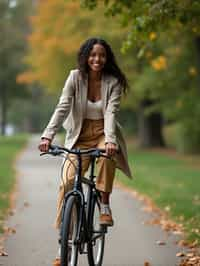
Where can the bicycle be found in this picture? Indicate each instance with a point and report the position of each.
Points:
(79, 213)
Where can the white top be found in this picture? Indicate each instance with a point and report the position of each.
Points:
(94, 110)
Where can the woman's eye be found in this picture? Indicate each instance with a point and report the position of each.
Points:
(100, 55)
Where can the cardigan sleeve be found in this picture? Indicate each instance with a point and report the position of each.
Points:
(62, 109)
(112, 109)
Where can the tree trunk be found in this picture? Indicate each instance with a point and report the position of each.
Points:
(3, 112)
(197, 42)
(150, 127)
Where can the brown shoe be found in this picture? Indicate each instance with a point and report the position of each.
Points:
(106, 216)
(106, 219)
(57, 262)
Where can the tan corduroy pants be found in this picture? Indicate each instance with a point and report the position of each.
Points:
(92, 135)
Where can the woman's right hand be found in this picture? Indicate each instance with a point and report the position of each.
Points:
(44, 145)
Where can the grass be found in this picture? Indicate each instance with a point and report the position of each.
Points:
(171, 182)
(9, 147)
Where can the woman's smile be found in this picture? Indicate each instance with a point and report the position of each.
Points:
(97, 58)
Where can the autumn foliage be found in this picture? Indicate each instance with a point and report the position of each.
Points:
(58, 29)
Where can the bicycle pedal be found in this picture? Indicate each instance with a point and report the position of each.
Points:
(84, 252)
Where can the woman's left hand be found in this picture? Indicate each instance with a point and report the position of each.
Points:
(111, 148)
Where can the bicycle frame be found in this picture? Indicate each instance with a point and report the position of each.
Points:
(83, 229)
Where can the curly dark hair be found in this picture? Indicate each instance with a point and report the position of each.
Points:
(110, 68)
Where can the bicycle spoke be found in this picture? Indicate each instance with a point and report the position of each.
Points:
(96, 246)
(69, 248)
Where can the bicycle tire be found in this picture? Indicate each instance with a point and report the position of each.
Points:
(95, 248)
(69, 250)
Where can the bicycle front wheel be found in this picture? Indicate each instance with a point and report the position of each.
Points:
(69, 247)
(97, 240)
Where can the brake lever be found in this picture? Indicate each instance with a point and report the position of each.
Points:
(43, 153)
(109, 156)
(54, 153)
(101, 154)
(105, 156)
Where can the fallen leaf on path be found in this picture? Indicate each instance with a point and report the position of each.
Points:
(180, 254)
(11, 212)
(182, 243)
(177, 232)
(2, 239)
(154, 221)
(3, 253)
(26, 204)
(190, 255)
(147, 209)
(9, 230)
(193, 259)
(166, 224)
(189, 261)
(160, 243)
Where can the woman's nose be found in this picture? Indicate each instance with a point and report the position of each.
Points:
(97, 59)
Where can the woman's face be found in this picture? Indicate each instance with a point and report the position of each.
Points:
(97, 58)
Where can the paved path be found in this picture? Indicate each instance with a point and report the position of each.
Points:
(129, 242)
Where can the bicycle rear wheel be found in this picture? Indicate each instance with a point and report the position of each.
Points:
(69, 249)
(96, 244)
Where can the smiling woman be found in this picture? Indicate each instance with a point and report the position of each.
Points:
(88, 106)
(97, 58)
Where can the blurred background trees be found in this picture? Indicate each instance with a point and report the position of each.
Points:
(157, 45)
(13, 28)
(166, 34)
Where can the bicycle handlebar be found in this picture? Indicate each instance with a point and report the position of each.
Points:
(56, 150)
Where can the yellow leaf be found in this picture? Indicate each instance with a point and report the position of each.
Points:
(159, 63)
(192, 71)
(152, 36)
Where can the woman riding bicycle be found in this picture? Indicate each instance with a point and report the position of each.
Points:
(87, 109)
